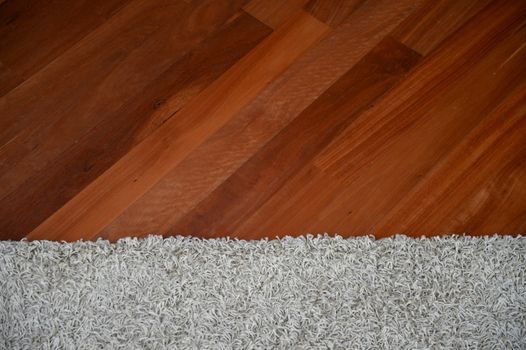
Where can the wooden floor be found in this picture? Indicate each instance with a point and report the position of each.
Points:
(261, 118)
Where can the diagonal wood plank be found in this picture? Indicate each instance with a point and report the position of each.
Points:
(110, 194)
(76, 93)
(432, 23)
(331, 141)
(433, 78)
(83, 71)
(273, 109)
(296, 208)
(484, 173)
(48, 189)
(386, 155)
(274, 12)
(35, 32)
(297, 144)
(334, 12)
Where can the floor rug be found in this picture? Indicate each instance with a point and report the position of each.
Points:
(452, 292)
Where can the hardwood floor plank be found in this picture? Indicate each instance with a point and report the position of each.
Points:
(282, 101)
(49, 189)
(134, 174)
(274, 12)
(419, 138)
(35, 32)
(264, 173)
(480, 187)
(297, 208)
(332, 12)
(352, 191)
(254, 118)
(427, 27)
(75, 95)
(112, 64)
(433, 78)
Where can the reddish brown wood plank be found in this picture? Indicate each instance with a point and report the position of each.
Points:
(427, 27)
(35, 32)
(387, 150)
(273, 12)
(274, 108)
(76, 94)
(333, 12)
(268, 170)
(166, 116)
(110, 194)
(43, 193)
(434, 82)
(480, 187)
(297, 208)
(112, 63)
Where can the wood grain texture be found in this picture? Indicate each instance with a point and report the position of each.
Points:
(480, 184)
(297, 144)
(283, 100)
(128, 53)
(257, 118)
(372, 165)
(500, 38)
(35, 32)
(46, 190)
(333, 12)
(427, 27)
(111, 193)
(274, 12)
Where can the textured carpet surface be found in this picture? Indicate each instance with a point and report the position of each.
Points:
(314, 292)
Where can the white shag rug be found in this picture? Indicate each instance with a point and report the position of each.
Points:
(295, 293)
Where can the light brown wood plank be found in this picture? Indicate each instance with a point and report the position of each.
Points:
(274, 108)
(45, 191)
(108, 196)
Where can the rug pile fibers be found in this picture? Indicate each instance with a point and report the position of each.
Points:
(452, 292)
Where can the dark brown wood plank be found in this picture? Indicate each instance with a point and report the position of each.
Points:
(54, 109)
(299, 207)
(35, 32)
(297, 144)
(257, 118)
(282, 101)
(45, 192)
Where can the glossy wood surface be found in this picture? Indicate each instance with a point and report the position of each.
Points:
(261, 118)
